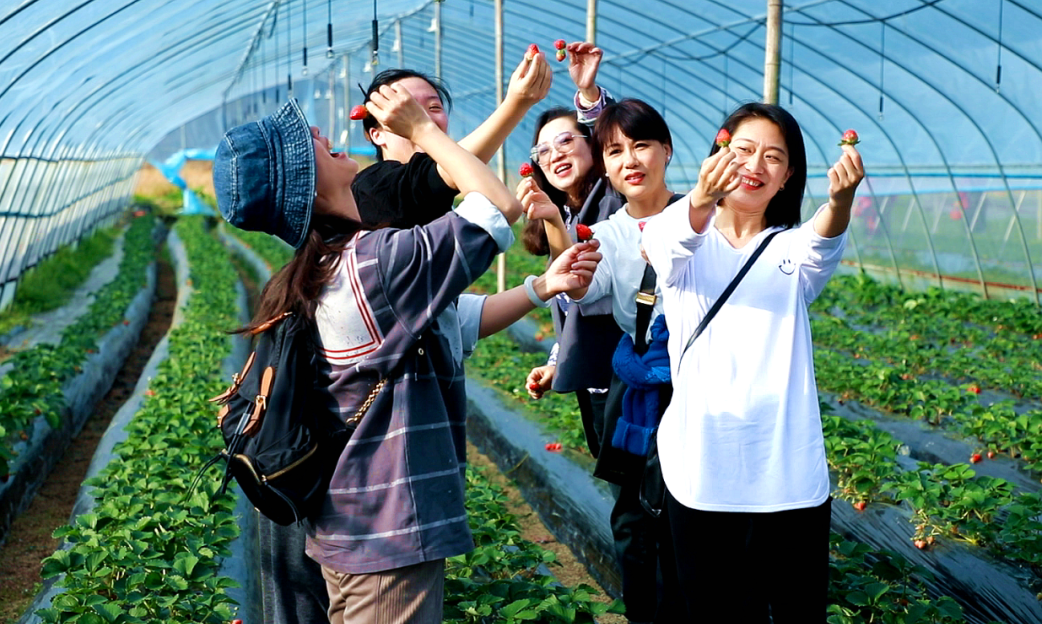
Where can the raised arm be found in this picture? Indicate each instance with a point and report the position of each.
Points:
(844, 178)
(393, 107)
(529, 84)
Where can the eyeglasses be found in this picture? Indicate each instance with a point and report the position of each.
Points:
(564, 143)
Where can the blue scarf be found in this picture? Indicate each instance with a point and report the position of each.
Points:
(642, 375)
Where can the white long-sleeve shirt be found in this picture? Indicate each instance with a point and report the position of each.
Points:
(743, 430)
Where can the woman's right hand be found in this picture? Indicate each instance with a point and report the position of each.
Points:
(717, 178)
(394, 107)
(583, 63)
(536, 204)
(539, 380)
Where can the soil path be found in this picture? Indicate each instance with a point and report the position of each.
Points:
(570, 572)
(29, 541)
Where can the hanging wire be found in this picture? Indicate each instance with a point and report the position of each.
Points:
(376, 38)
(998, 63)
(882, 56)
(304, 36)
(329, 30)
(289, 51)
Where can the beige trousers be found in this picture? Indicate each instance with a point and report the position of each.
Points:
(410, 595)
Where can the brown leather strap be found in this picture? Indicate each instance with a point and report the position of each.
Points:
(261, 402)
(237, 380)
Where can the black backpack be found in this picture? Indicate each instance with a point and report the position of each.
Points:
(280, 446)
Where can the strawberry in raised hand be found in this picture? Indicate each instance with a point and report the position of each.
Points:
(560, 46)
(525, 170)
(723, 138)
(849, 138)
(584, 232)
(530, 53)
(358, 112)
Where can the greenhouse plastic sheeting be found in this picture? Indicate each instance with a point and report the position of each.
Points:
(944, 93)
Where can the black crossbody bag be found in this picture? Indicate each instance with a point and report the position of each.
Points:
(652, 486)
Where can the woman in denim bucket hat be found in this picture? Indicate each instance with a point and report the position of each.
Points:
(387, 305)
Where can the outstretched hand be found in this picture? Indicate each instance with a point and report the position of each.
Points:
(574, 268)
(844, 178)
(394, 107)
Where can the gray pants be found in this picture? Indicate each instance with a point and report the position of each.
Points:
(291, 582)
(411, 595)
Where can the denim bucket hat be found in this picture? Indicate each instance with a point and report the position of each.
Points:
(264, 175)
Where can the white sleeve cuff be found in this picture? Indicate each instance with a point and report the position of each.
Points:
(477, 209)
(469, 308)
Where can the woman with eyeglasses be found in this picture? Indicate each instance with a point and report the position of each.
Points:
(568, 188)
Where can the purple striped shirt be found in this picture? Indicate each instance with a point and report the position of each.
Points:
(394, 311)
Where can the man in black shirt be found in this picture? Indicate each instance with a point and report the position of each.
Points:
(405, 187)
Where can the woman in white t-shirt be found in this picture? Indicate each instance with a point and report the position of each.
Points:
(740, 445)
(635, 145)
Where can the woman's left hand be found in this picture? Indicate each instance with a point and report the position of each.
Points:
(844, 178)
(574, 268)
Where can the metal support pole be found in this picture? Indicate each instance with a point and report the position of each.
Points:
(591, 21)
(501, 261)
(437, 35)
(772, 52)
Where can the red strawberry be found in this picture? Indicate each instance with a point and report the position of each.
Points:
(358, 112)
(920, 544)
(236, 622)
(553, 446)
(975, 389)
(860, 505)
(533, 386)
(584, 232)
(126, 322)
(531, 52)
(723, 138)
(560, 44)
(991, 454)
(561, 55)
(525, 170)
(849, 138)
(975, 458)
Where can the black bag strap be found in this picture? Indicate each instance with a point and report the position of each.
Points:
(727, 293)
(645, 305)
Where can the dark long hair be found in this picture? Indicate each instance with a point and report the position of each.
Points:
(533, 235)
(784, 208)
(391, 76)
(295, 287)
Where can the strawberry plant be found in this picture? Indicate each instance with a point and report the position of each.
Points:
(33, 387)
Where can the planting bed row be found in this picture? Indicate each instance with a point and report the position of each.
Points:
(67, 361)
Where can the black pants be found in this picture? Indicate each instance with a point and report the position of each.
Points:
(292, 584)
(644, 552)
(746, 568)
